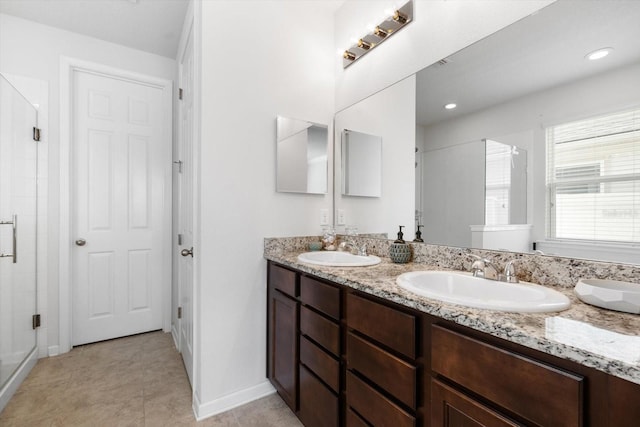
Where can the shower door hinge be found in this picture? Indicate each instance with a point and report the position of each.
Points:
(36, 134)
(180, 93)
(35, 321)
(179, 312)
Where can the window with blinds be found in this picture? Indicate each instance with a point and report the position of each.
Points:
(497, 183)
(593, 179)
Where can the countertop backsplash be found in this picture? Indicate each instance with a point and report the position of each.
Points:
(541, 269)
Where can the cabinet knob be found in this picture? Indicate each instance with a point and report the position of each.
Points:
(81, 242)
(187, 252)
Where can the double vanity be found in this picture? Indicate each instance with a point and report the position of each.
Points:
(357, 346)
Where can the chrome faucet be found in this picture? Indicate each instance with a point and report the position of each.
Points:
(350, 246)
(509, 274)
(482, 267)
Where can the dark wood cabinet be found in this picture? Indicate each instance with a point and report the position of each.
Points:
(451, 408)
(381, 360)
(319, 406)
(339, 357)
(320, 348)
(282, 335)
(284, 373)
(509, 380)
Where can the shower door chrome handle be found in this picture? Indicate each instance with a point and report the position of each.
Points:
(14, 224)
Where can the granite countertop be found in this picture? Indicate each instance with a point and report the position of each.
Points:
(605, 340)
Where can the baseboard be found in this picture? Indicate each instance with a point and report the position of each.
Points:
(230, 401)
(16, 379)
(54, 350)
(174, 335)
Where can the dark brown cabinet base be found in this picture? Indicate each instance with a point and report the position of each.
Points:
(340, 357)
(451, 408)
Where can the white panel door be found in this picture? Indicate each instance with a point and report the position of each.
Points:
(118, 190)
(185, 209)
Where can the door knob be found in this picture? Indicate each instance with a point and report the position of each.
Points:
(81, 242)
(187, 252)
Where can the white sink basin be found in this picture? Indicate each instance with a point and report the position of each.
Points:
(610, 294)
(338, 259)
(464, 289)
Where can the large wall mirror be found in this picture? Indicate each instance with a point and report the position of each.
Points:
(532, 106)
(384, 159)
(301, 156)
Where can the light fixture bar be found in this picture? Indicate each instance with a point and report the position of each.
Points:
(379, 32)
(400, 18)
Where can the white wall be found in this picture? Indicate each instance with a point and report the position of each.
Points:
(34, 50)
(389, 114)
(259, 59)
(440, 28)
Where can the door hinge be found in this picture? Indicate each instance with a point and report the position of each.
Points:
(179, 163)
(36, 134)
(179, 239)
(180, 93)
(179, 312)
(35, 321)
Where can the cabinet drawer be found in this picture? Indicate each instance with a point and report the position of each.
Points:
(537, 392)
(389, 372)
(375, 408)
(321, 330)
(319, 407)
(323, 297)
(319, 362)
(354, 420)
(282, 279)
(386, 325)
(450, 407)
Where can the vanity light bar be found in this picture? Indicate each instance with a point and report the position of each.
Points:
(382, 31)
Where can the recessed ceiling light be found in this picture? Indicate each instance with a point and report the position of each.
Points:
(450, 106)
(599, 54)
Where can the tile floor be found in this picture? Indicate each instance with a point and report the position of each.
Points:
(133, 381)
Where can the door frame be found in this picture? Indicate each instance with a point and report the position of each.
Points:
(68, 66)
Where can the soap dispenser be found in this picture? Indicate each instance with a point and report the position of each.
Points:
(399, 250)
(418, 238)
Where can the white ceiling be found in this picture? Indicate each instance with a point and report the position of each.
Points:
(148, 25)
(541, 51)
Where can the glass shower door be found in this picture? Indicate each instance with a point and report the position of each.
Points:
(18, 195)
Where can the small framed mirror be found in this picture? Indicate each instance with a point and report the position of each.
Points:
(361, 164)
(302, 162)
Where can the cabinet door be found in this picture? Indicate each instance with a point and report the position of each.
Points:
(450, 408)
(283, 345)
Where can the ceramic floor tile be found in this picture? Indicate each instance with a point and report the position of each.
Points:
(266, 412)
(226, 419)
(36, 403)
(132, 381)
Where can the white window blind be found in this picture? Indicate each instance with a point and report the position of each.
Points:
(497, 183)
(593, 179)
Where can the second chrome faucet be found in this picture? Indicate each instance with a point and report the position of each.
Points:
(482, 267)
